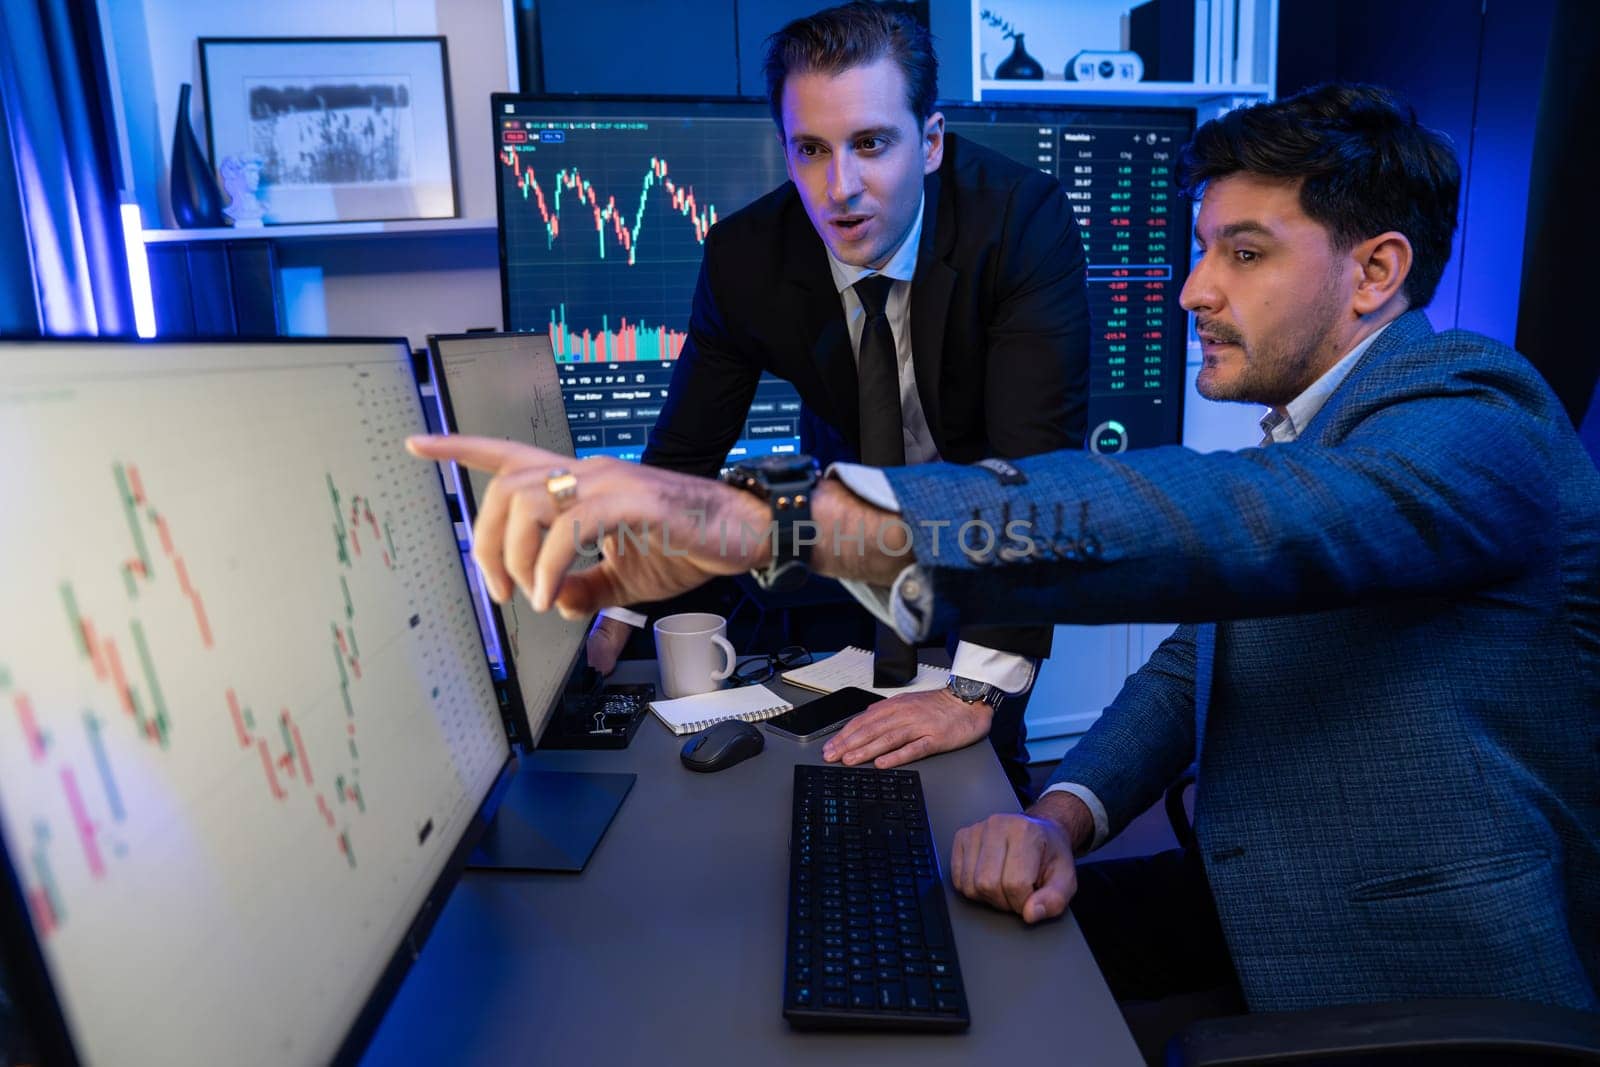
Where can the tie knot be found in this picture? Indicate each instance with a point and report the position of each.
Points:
(873, 293)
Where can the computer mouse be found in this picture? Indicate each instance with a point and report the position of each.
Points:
(722, 746)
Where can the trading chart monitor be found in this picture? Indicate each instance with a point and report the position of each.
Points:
(604, 204)
(1116, 166)
(604, 209)
(247, 720)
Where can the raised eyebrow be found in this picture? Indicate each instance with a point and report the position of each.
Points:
(1248, 227)
(888, 133)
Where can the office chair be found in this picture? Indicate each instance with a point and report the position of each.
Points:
(1419, 1033)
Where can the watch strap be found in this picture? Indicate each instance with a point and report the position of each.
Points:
(790, 504)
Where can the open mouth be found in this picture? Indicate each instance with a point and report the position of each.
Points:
(850, 223)
(1211, 338)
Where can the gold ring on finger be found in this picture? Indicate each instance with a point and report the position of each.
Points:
(562, 485)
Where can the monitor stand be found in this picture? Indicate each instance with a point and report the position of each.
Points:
(550, 820)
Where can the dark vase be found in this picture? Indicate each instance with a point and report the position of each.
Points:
(196, 200)
(1019, 64)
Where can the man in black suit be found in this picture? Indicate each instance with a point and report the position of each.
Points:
(926, 298)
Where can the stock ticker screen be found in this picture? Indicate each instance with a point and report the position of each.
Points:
(604, 206)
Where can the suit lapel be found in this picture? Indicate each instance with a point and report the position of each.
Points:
(933, 283)
(1409, 328)
(808, 285)
(1328, 425)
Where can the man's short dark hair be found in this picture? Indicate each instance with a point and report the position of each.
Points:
(854, 35)
(1367, 166)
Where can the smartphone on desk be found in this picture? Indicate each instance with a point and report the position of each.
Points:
(822, 716)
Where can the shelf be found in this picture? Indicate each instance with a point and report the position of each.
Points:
(326, 231)
(1057, 90)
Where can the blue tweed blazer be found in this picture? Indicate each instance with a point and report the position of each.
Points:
(1389, 672)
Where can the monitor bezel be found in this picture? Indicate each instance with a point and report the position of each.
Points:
(514, 712)
(44, 1018)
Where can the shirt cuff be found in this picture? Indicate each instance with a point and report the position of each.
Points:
(868, 483)
(1006, 671)
(906, 607)
(632, 618)
(1102, 824)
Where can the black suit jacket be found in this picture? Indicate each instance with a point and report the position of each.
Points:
(999, 330)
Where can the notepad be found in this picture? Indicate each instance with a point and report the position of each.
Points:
(689, 715)
(853, 666)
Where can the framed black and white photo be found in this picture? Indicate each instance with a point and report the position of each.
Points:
(333, 129)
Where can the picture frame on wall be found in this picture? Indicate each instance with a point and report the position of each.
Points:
(330, 129)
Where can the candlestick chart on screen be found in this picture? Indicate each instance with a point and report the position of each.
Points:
(239, 665)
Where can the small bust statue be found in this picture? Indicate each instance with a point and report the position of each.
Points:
(241, 183)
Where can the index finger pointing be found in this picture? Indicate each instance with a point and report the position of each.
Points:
(480, 453)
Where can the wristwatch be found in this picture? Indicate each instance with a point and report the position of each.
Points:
(971, 691)
(785, 483)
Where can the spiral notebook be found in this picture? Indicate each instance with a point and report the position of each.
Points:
(690, 715)
(852, 666)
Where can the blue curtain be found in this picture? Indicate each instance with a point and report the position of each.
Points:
(60, 221)
(1555, 322)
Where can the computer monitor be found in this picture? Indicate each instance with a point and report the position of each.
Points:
(604, 204)
(505, 386)
(249, 732)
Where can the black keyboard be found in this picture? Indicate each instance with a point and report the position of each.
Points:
(869, 944)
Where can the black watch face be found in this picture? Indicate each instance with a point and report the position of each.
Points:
(967, 689)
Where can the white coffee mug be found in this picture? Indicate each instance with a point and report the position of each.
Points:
(688, 648)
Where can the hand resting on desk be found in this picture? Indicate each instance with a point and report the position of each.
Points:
(1024, 863)
(908, 727)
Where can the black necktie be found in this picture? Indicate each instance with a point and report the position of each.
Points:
(894, 662)
(878, 375)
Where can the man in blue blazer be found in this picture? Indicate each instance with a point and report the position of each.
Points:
(1396, 719)
(1388, 668)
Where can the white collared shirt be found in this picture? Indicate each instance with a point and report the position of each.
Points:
(1004, 670)
(902, 267)
(1280, 428)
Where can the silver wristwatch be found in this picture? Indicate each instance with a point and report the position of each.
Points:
(971, 691)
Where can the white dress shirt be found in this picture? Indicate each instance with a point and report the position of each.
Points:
(1006, 671)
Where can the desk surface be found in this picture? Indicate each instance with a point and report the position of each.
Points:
(668, 948)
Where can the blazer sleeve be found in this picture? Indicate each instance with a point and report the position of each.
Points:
(713, 384)
(1037, 372)
(1441, 482)
(1145, 738)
